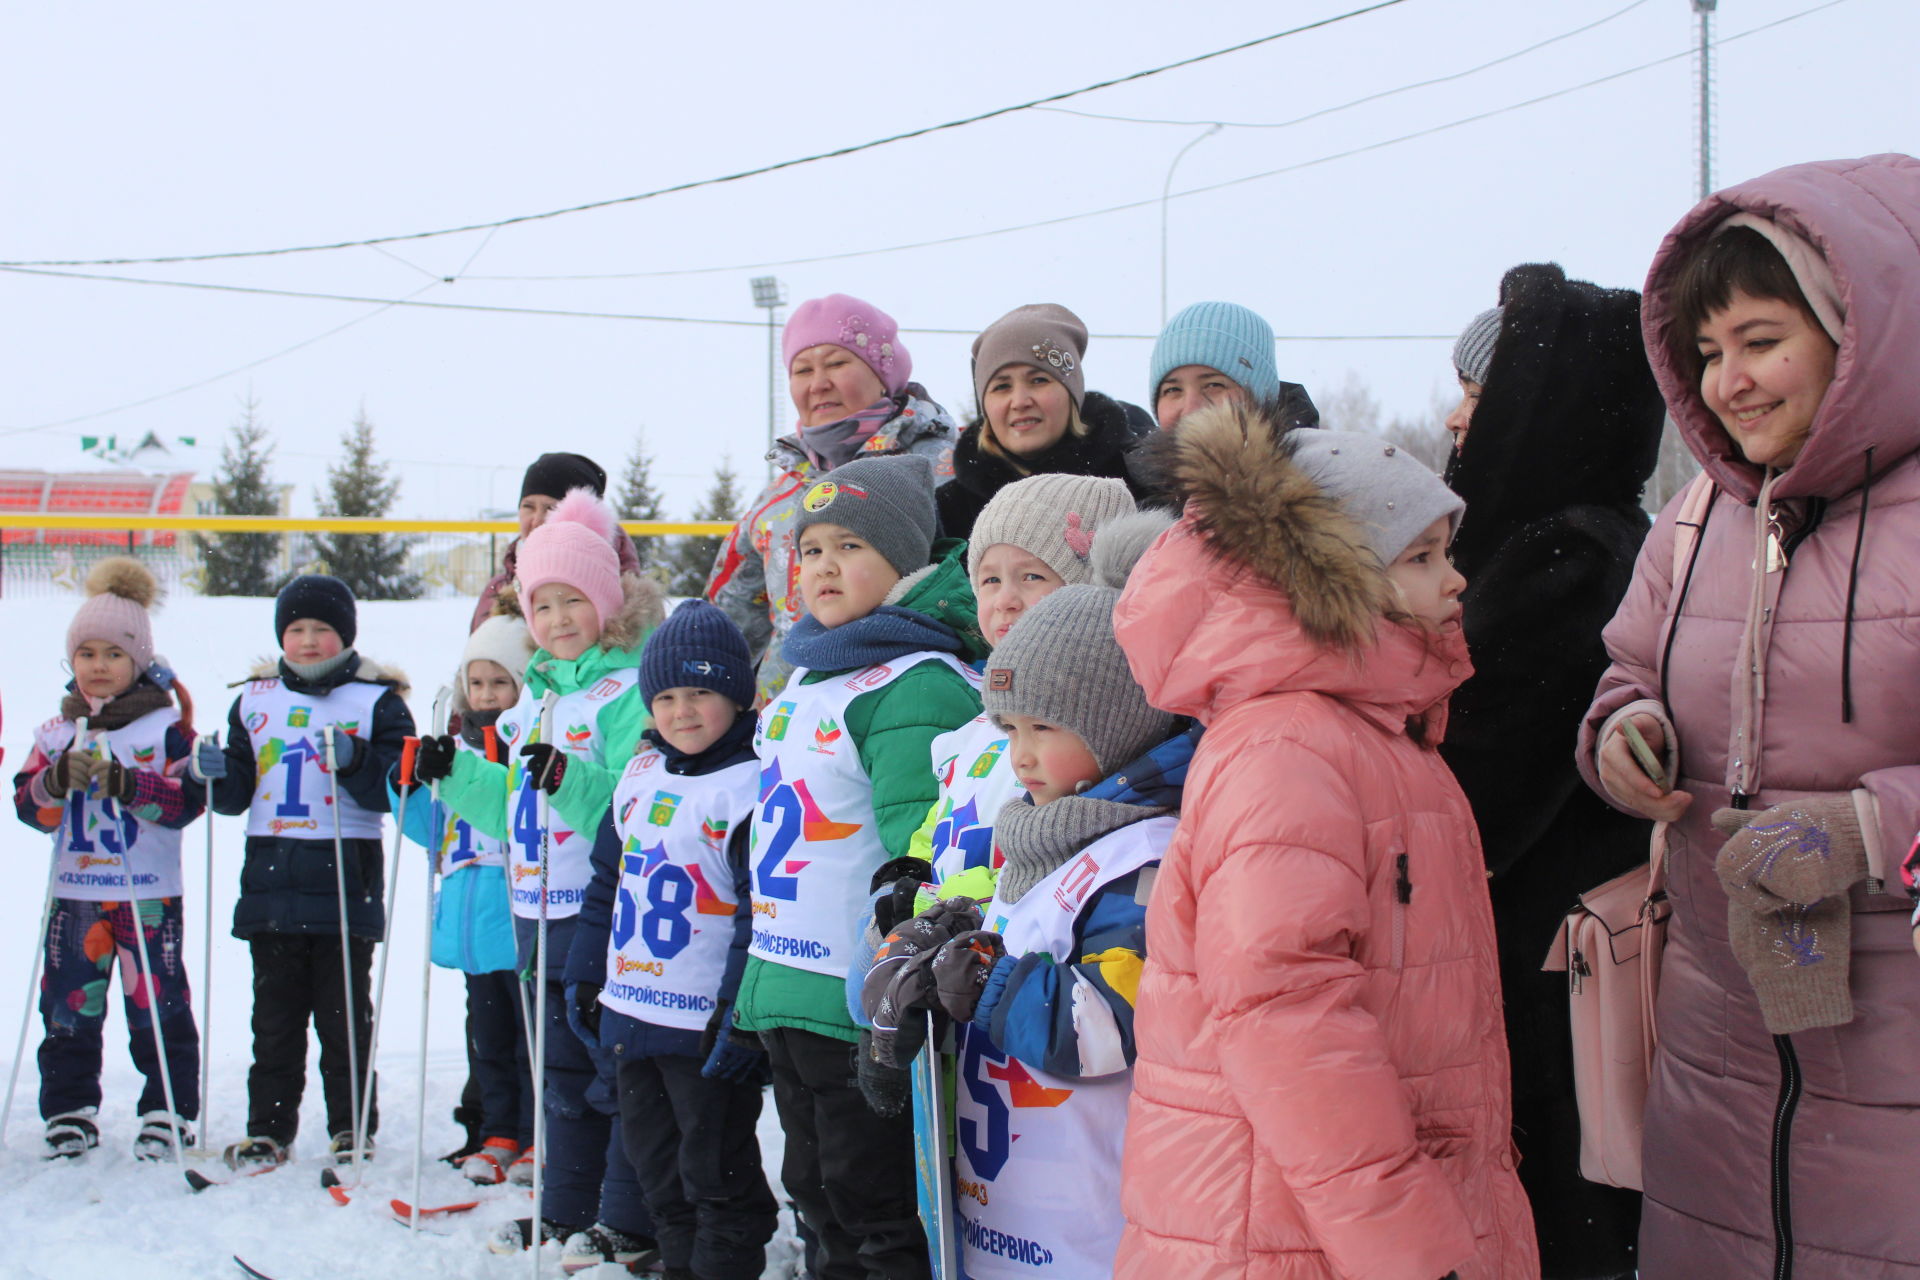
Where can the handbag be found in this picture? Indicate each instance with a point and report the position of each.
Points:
(1609, 947)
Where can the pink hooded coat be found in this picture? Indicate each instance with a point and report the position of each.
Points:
(1762, 1154)
(1321, 1088)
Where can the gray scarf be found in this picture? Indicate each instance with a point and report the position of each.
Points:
(1038, 838)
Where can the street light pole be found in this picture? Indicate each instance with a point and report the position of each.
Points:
(1704, 9)
(769, 293)
(1166, 190)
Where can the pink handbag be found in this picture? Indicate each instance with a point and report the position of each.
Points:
(1609, 947)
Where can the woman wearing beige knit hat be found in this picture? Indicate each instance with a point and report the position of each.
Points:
(1036, 416)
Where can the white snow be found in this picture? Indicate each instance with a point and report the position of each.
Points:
(110, 1215)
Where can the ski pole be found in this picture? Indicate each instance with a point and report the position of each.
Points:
(540, 999)
(363, 1101)
(150, 983)
(440, 701)
(33, 970)
(491, 737)
(206, 980)
(346, 951)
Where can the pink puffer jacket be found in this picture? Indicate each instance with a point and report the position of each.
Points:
(1321, 1088)
(1763, 1152)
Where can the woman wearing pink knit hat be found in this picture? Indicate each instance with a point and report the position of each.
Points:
(851, 382)
(589, 620)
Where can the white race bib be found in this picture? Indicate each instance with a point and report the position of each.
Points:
(104, 853)
(293, 795)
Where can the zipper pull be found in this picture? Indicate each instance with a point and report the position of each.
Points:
(1402, 882)
(1576, 970)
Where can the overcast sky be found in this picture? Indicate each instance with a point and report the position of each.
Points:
(139, 130)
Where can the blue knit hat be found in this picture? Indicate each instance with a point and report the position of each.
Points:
(314, 595)
(1220, 335)
(697, 647)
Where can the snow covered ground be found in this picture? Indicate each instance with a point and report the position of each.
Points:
(111, 1216)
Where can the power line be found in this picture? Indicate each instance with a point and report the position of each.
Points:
(1142, 204)
(1371, 97)
(762, 170)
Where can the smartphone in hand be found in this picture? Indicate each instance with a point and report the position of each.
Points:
(1643, 755)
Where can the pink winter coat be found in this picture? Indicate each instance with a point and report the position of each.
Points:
(1321, 1088)
(1838, 712)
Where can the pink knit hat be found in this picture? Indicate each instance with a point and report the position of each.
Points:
(120, 590)
(573, 547)
(860, 327)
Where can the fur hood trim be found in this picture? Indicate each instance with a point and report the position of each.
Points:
(1234, 469)
(368, 670)
(643, 606)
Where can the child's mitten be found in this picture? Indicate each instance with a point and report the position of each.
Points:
(547, 763)
(70, 772)
(434, 760)
(1801, 851)
(960, 971)
(208, 763)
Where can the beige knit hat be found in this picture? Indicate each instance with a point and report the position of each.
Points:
(1045, 336)
(1052, 518)
(120, 590)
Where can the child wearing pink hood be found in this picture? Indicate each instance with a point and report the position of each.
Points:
(1321, 1083)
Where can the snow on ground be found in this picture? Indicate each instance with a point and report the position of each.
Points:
(110, 1215)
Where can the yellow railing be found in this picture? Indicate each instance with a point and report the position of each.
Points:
(278, 524)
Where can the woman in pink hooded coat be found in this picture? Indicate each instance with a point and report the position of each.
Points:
(1782, 318)
(1321, 1088)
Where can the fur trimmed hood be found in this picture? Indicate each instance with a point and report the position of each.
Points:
(363, 669)
(1266, 586)
(642, 608)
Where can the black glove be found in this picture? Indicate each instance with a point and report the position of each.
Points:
(888, 1090)
(547, 763)
(899, 903)
(434, 760)
(583, 1012)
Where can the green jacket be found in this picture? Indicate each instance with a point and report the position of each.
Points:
(892, 729)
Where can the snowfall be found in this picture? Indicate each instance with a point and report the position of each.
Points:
(112, 1215)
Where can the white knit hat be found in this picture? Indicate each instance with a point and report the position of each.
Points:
(1052, 518)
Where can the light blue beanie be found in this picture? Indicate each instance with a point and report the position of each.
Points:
(1221, 335)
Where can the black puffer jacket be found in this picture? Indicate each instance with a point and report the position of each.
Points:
(1113, 428)
(288, 885)
(1561, 444)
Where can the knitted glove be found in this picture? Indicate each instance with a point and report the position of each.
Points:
(434, 760)
(69, 772)
(115, 781)
(583, 1012)
(960, 971)
(208, 763)
(887, 1089)
(547, 763)
(346, 749)
(732, 1054)
(1789, 922)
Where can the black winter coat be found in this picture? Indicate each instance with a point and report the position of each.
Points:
(288, 885)
(1563, 439)
(1113, 428)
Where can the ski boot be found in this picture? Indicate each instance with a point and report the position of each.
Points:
(341, 1148)
(520, 1172)
(601, 1243)
(161, 1132)
(513, 1236)
(255, 1155)
(487, 1167)
(72, 1135)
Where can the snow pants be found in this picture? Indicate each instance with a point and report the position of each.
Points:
(297, 979)
(587, 1175)
(497, 1057)
(693, 1144)
(83, 942)
(849, 1171)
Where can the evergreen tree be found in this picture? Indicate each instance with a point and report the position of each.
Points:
(639, 500)
(242, 564)
(374, 565)
(691, 558)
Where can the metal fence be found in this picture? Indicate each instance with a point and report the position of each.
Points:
(44, 555)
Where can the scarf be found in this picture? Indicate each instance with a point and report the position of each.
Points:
(1039, 838)
(883, 635)
(473, 727)
(141, 698)
(315, 673)
(832, 443)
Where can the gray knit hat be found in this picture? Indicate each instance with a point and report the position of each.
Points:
(1052, 518)
(1044, 335)
(888, 501)
(1387, 491)
(1473, 349)
(1061, 664)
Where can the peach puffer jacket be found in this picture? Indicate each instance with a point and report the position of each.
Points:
(1321, 1088)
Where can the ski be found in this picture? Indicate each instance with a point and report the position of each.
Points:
(339, 1194)
(198, 1181)
(404, 1211)
(248, 1270)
